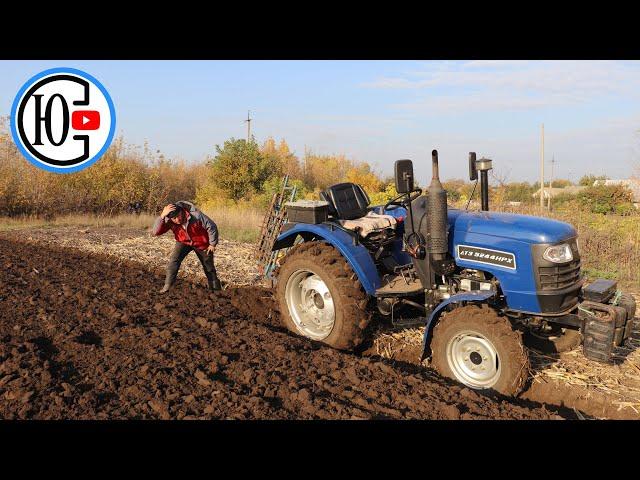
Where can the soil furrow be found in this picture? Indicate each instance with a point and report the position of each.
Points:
(84, 337)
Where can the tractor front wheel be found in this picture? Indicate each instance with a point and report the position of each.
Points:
(320, 297)
(479, 348)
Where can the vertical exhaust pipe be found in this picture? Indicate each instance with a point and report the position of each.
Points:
(438, 244)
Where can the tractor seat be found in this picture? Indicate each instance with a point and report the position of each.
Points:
(349, 205)
(371, 222)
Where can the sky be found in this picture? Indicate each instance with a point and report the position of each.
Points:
(380, 111)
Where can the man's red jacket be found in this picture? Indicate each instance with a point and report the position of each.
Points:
(200, 231)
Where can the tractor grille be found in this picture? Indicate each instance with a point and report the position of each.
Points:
(560, 276)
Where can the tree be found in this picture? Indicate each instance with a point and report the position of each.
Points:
(279, 161)
(588, 180)
(290, 163)
(362, 174)
(382, 197)
(322, 171)
(239, 168)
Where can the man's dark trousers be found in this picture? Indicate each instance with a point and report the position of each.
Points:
(179, 252)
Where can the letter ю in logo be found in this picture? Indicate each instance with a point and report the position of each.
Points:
(63, 120)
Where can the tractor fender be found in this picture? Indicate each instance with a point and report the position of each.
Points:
(477, 296)
(357, 255)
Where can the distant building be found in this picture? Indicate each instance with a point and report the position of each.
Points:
(632, 184)
(554, 191)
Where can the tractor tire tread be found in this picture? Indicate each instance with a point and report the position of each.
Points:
(515, 360)
(354, 301)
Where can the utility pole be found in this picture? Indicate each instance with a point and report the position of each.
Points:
(553, 161)
(542, 168)
(248, 122)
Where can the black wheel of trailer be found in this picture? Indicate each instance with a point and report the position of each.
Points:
(479, 348)
(552, 339)
(320, 297)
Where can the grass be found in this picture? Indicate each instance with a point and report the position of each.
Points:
(242, 225)
(609, 244)
(78, 220)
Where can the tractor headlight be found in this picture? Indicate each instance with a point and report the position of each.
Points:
(558, 253)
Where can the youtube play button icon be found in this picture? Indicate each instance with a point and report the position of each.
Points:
(85, 120)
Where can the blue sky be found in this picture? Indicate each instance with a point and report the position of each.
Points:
(380, 111)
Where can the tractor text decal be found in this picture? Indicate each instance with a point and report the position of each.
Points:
(487, 256)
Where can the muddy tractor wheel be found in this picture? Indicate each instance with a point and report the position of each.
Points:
(555, 339)
(320, 297)
(479, 348)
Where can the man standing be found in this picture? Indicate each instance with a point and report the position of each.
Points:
(193, 230)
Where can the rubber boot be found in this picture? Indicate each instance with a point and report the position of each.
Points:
(215, 285)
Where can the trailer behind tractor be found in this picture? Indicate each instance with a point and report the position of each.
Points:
(485, 285)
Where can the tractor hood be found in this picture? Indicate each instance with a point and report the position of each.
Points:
(524, 228)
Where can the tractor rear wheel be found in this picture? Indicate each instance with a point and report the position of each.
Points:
(479, 348)
(320, 297)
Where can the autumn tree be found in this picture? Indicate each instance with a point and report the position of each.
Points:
(363, 175)
(235, 168)
(322, 171)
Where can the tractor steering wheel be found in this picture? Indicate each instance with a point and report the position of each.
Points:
(397, 202)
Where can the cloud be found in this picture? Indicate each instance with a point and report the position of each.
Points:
(514, 84)
(481, 102)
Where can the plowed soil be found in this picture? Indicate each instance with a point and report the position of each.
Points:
(85, 337)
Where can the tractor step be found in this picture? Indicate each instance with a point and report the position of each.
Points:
(400, 285)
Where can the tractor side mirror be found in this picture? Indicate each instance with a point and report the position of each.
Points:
(404, 176)
(473, 171)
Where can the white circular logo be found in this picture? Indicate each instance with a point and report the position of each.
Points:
(63, 120)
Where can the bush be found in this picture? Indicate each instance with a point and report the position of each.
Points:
(607, 199)
(564, 200)
(519, 192)
(625, 209)
(588, 180)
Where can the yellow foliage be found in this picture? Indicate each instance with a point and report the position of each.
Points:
(124, 175)
(361, 174)
(382, 197)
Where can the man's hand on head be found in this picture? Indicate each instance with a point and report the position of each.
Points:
(167, 210)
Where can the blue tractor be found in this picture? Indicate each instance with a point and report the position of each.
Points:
(485, 285)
